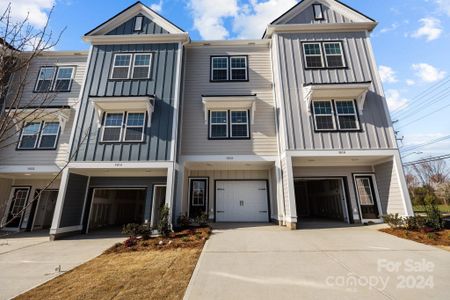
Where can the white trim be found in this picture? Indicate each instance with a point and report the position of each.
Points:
(37, 135)
(332, 115)
(355, 114)
(375, 193)
(214, 43)
(342, 153)
(33, 169)
(222, 103)
(398, 167)
(121, 165)
(11, 195)
(305, 56)
(112, 126)
(240, 68)
(46, 134)
(322, 27)
(318, 11)
(142, 66)
(211, 124)
(223, 68)
(54, 231)
(177, 116)
(228, 158)
(55, 70)
(113, 66)
(72, 75)
(138, 22)
(326, 55)
(136, 39)
(126, 126)
(153, 208)
(247, 124)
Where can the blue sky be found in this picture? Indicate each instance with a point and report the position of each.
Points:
(411, 45)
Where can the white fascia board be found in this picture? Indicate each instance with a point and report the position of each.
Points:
(341, 153)
(227, 43)
(121, 165)
(136, 38)
(325, 27)
(229, 102)
(30, 169)
(228, 158)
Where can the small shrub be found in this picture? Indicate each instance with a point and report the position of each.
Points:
(414, 223)
(202, 220)
(145, 230)
(184, 221)
(394, 221)
(164, 224)
(434, 217)
(431, 236)
(132, 229)
(130, 242)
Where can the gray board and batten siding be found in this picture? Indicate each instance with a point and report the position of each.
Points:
(375, 130)
(161, 85)
(148, 27)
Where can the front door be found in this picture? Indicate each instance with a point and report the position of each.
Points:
(17, 207)
(367, 198)
(198, 197)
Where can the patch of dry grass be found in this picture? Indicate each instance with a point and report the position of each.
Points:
(441, 238)
(143, 272)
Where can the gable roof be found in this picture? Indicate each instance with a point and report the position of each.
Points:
(129, 13)
(341, 7)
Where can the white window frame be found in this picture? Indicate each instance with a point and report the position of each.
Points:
(313, 55)
(126, 127)
(39, 79)
(115, 126)
(55, 80)
(114, 65)
(41, 134)
(232, 124)
(355, 114)
(332, 114)
(320, 7)
(22, 134)
(213, 69)
(138, 24)
(134, 65)
(244, 68)
(211, 124)
(326, 55)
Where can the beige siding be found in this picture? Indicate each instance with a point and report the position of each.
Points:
(389, 189)
(5, 189)
(214, 175)
(197, 83)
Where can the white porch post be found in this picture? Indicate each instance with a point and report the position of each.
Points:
(289, 193)
(279, 192)
(60, 201)
(170, 191)
(179, 199)
(398, 167)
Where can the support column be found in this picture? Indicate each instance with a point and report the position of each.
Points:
(280, 195)
(179, 200)
(289, 193)
(149, 204)
(398, 167)
(170, 191)
(59, 202)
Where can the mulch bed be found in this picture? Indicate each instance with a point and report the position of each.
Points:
(193, 237)
(440, 238)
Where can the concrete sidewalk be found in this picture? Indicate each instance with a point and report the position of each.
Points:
(30, 259)
(270, 262)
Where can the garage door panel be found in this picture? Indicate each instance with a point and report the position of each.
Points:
(241, 201)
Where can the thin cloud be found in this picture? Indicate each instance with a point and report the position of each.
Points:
(36, 10)
(158, 6)
(431, 29)
(395, 100)
(428, 73)
(387, 74)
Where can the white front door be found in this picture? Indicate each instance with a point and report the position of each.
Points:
(241, 201)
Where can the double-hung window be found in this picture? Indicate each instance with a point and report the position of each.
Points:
(219, 68)
(239, 124)
(347, 116)
(332, 115)
(121, 66)
(313, 55)
(218, 124)
(333, 55)
(55, 79)
(229, 68)
(324, 115)
(323, 55)
(123, 127)
(39, 135)
(131, 66)
(141, 66)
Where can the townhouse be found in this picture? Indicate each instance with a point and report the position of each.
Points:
(291, 127)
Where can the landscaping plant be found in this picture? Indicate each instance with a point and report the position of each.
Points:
(184, 221)
(164, 225)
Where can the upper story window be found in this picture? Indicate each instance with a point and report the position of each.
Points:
(123, 127)
(232, 124)
(229, 68)
(55, 79)
(331, 115)
(131, 66)
(323, 55)
(39, 135)
(138, 22)
(318, 12)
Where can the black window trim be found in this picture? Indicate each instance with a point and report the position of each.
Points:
(229, 137)
(53, 86)
(322, 48)
(36, 146)
(229, 68)
(321, 10)
(335, 117)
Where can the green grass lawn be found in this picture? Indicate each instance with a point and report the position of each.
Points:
(443, 208)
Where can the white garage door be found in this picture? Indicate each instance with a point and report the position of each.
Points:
(241, 201)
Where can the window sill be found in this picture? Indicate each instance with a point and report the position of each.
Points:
(229, 139)
(130, 79)
(222, 81)
(37, 149)
(51, 92)
(121, 143)
(326, 68)
(337, 130)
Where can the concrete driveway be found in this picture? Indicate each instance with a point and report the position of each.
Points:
(30, 259)
(270, 262)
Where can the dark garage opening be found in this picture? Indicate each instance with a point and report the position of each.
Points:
(320, 199)
(116, 207)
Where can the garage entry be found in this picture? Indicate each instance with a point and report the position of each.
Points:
(321, 198)
(116, 207)
(242, 201)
